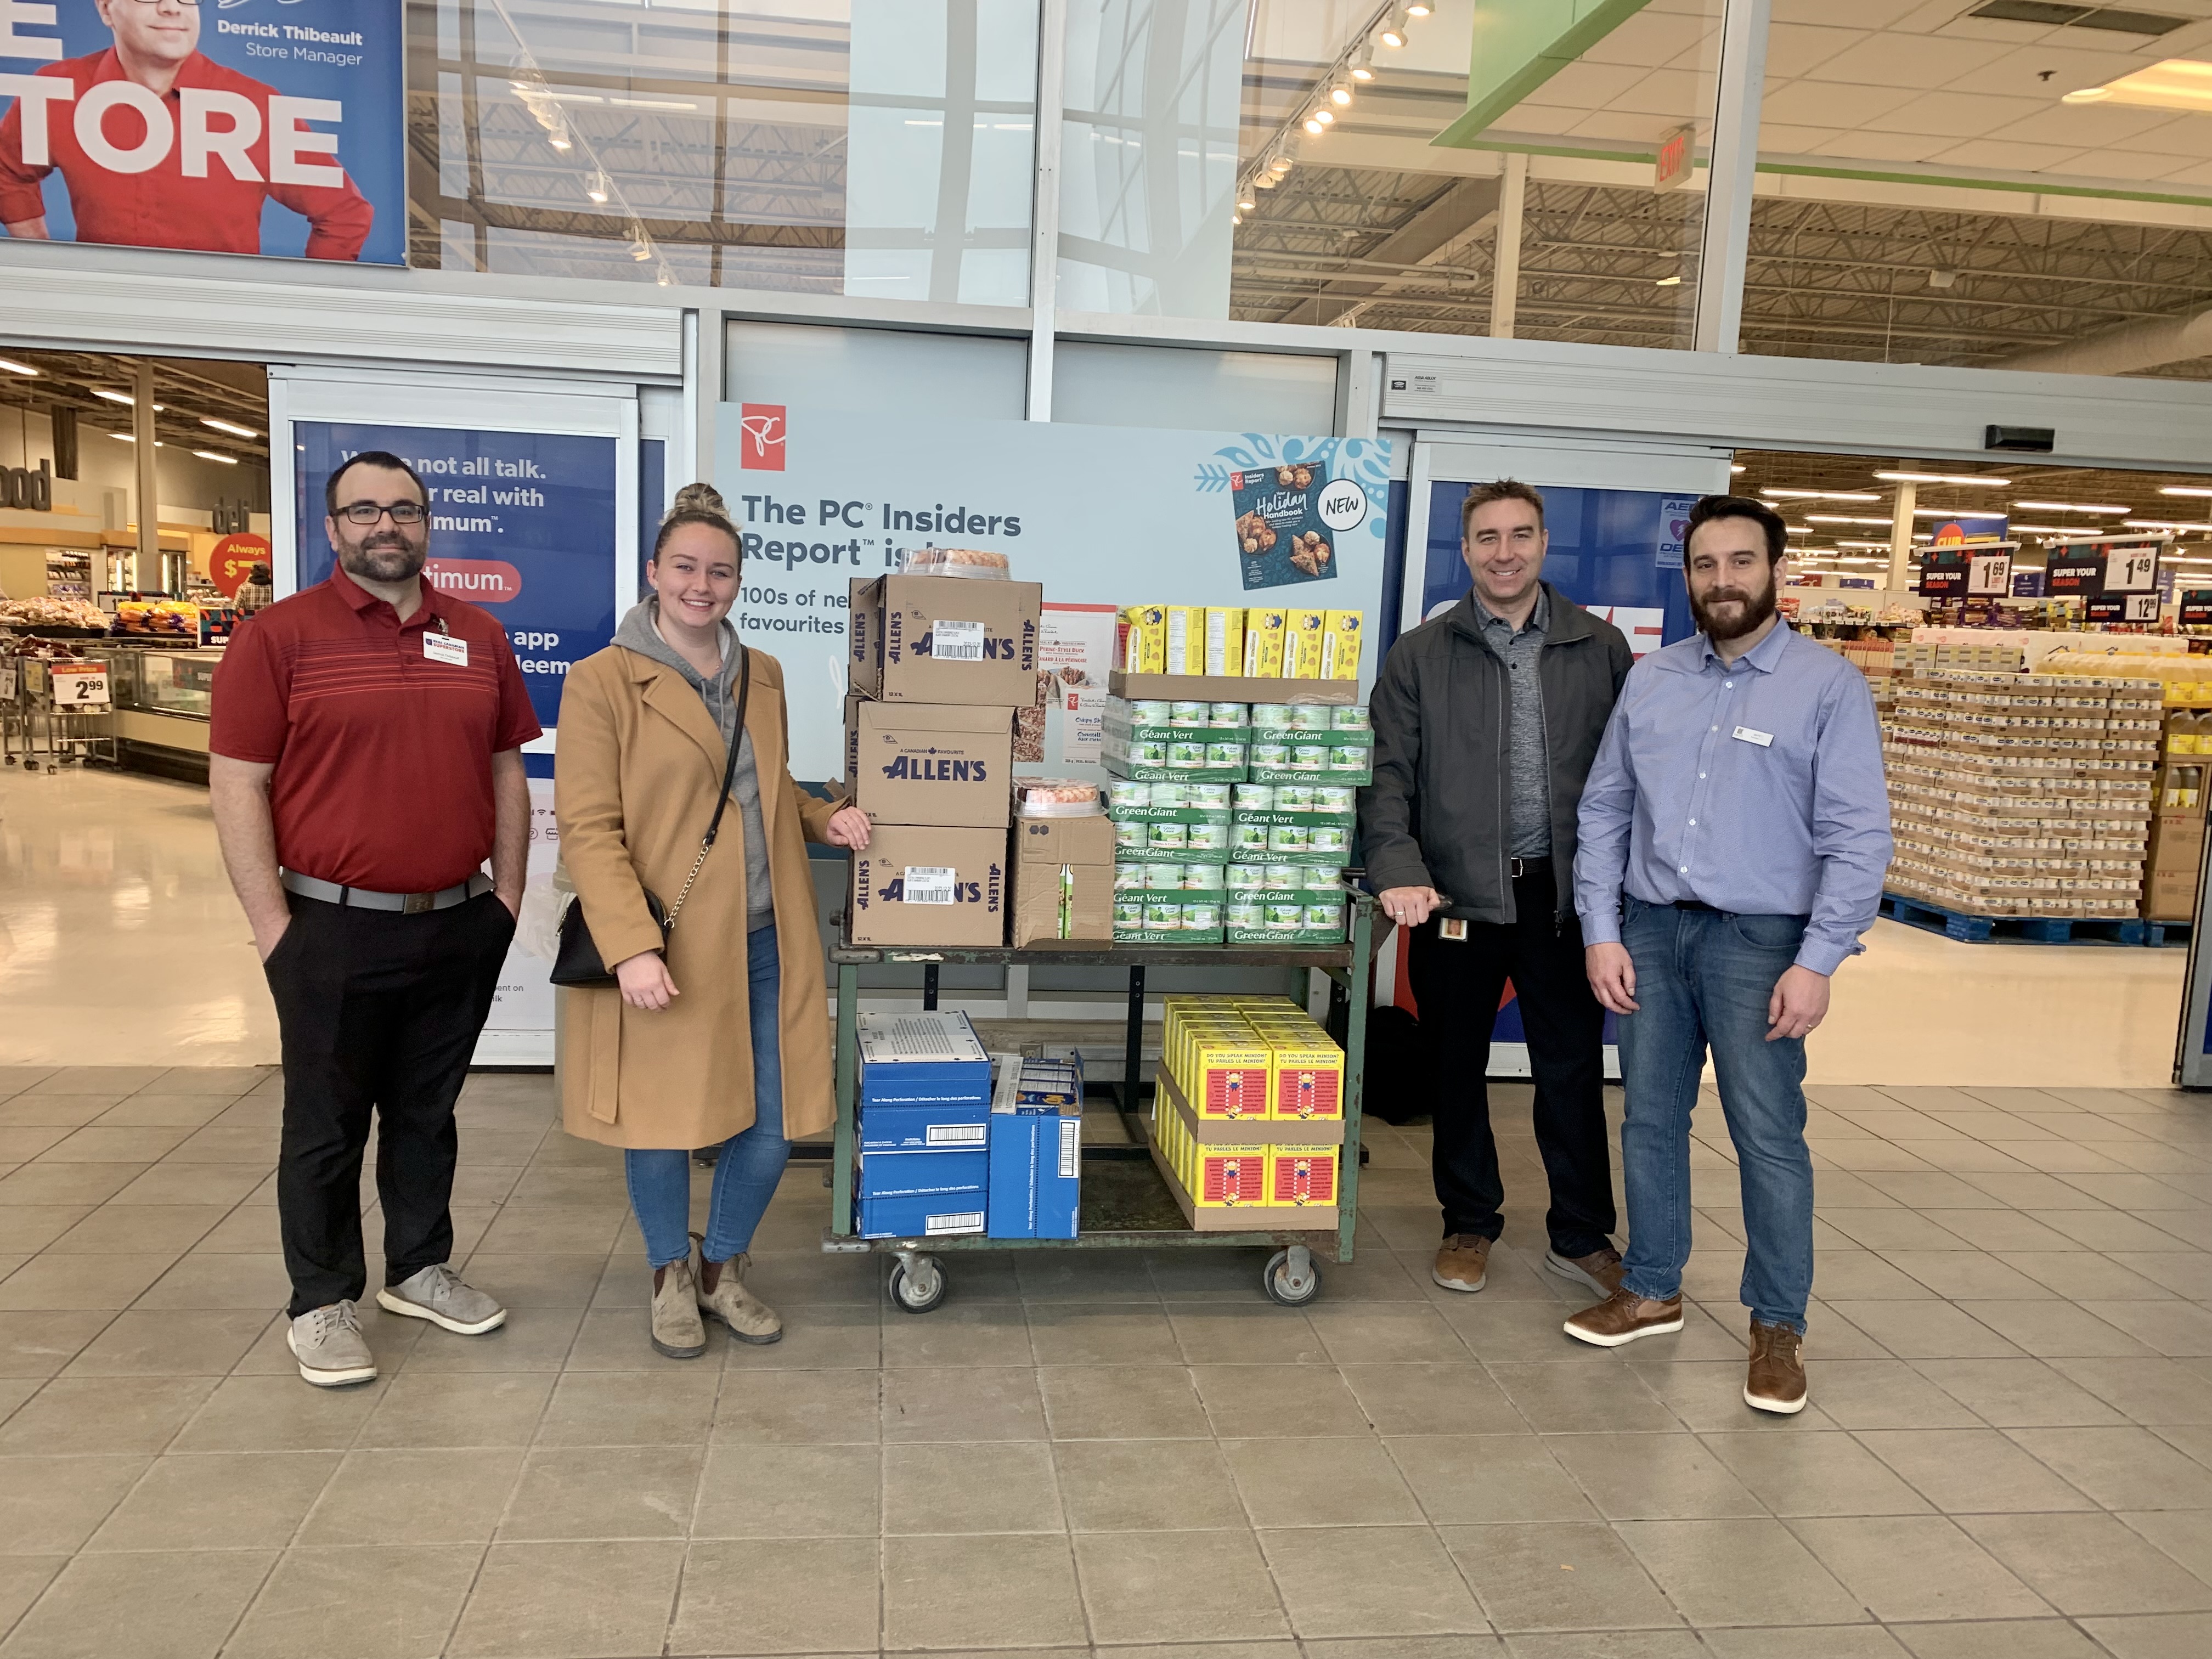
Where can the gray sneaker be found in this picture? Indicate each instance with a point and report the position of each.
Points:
(330, 1347)
(438, 1295)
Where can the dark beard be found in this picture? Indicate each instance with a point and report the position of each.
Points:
(383, 558)
(1759, 607)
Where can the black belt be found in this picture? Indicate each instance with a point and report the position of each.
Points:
(1698, 905)
(1519, 867)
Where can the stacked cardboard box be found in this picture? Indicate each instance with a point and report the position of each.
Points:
(1247, 1111)
(2176, 838)
(939, 666)
(2021, 794)
(1036, 1147)
(1063, 873)
(924, 1126)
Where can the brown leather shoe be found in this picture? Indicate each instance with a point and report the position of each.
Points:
(1624, 1316)
(1599, 1271)
(1462, 1261)
(1777, 1381)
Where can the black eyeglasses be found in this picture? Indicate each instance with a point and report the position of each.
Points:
(367, 513)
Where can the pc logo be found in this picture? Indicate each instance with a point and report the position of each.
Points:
(760, 435)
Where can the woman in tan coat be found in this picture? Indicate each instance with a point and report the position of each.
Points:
(718, 1038)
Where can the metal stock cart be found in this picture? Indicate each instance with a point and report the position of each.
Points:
(55, 719)
(1126, 1204)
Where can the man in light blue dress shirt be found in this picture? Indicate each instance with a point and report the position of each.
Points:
(1734, 836)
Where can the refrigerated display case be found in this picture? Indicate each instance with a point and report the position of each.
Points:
(162, 698)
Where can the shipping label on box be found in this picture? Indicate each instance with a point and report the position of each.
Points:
(926, 885)
(946, 638)
(929, 763)
(918, 1217)
(901, 1128)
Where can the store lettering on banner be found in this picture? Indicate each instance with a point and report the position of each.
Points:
(256, 126)
(1102, 516)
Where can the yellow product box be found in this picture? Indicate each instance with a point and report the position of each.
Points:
(1306, 1078)
(1143, 631)
(1227, 1177)
(1301, 1176)
(1264, 633)
(1341, 632)
(1185, 639)
(1224, 640)
(1228, 1074)
(1194, 1036)
(1303, 634)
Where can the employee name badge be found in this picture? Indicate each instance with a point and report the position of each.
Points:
(956, 641)
(1452, 927)
(1749, 734)
(444, 648)
(928, 884)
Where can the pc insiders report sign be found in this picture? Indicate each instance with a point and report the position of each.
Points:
(230, 126)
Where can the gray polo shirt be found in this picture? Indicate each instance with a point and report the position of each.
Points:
(1530, 796)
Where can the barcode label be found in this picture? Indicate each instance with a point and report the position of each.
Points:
(955, 1134)
(1071, 1147)
(956, 641)
(959, 1221)
(928, 884)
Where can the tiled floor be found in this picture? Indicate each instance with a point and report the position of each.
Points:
(2009, 1453)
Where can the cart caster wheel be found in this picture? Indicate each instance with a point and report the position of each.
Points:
(919, 1289)
(1291, 1283)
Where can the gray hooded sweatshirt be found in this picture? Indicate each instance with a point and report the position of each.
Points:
(639, 632)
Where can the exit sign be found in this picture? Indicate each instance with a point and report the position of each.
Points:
(1676, 161)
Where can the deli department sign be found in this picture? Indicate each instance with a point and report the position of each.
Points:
(251, 126)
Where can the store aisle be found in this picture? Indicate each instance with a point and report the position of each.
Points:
(120, 938)
(2009, 1451)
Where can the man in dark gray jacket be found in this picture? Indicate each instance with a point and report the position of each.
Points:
(1487, 720)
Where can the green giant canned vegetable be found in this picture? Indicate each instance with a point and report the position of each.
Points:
(1205, 878)
(1248, 837)
(1131, 833)
(1167, 835)
(1246, 914)
(1202, 915)
(1288, 838)
(1285, 918)
(1246, 877)
(1127, 792)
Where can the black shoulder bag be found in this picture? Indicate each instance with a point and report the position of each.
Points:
(578, 963)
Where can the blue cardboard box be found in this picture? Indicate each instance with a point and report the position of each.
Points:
(925, 1174)
(1036, 1162)
(902, 1127)
(921, 1059)
(915, 1216)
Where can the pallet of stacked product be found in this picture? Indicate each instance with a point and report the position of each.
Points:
(2021, 795)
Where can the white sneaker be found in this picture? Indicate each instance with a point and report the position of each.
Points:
(330, 1347)
(438, 1295)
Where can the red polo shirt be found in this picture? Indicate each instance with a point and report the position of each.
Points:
(383, 751)
(213, 210)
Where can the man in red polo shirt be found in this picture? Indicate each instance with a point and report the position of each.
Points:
(161, 147)
(365, 759)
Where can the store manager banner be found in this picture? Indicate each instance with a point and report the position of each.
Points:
(1100, 515)
(232, 126)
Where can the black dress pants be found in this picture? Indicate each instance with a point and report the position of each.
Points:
(378, 1011)
(1459, 985)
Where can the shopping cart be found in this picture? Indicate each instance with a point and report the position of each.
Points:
(62, 714)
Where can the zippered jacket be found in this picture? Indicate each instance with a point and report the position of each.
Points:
(1437, 813)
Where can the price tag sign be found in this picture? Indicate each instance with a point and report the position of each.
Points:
(1990, 573)
(7, 682)
(2196, 607)
(78, 685)
(1944, 572)
(2131, 570)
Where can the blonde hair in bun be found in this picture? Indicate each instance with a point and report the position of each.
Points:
(698, 503)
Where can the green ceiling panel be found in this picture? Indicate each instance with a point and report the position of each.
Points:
(1520, 44)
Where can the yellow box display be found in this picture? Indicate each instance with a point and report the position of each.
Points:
(1227, 1177)
(1341, 632)
(1224, 640)
(1264, 636)
(1301, 1176)
(1305, 1077)
(1185, 639)
(1304, 632)
(1144, 639)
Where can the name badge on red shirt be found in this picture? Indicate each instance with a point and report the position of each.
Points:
(445, 648)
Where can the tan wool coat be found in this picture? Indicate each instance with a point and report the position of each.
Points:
(638, 768)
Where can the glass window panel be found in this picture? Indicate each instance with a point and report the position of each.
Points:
(793, 144)
(1936, 186)
(1376, 172)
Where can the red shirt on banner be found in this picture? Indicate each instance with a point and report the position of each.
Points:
(382, 742)
(190, 170)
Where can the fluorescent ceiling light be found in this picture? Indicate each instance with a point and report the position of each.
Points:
(1799, 529)
(1831, 518)
(13, 367)
(217, 455)
(231, 427)
(1942, 478)
(2163, 523)
(2174, 83)
(2185, 490)
(1668, 281)
(1739, 467)
(122, 398)
(2072, 507)
(132, 438)
(2074, 530)
(1817, 494)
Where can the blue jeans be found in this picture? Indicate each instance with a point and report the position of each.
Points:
(1703, 976)
(751, 1161)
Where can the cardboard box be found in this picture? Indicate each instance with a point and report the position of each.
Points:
(1036, 1169)
(1339, 646)
(1064, 840)
(1263, 642)
(1141, 639)
(1303, 635)
(911, 1174)
(929, 763)
(1302, 1176)
(923, 1217)
(942, 639)
(956, 1126)
(1063, 881)
(924, 1058)
(2176, 852)
(926, 885)
(1170, 1102)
